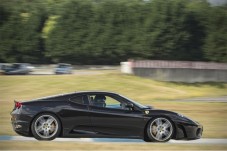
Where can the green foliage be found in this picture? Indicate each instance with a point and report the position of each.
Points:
(216, 41)
(20, 39)
(173, 33)
(107, 32)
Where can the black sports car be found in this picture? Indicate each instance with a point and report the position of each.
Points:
(99, 114)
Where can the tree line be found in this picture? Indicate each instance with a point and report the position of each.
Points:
(110, 31)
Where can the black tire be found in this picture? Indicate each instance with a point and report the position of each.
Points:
(56, 122)
(149, 137)
(146, 138)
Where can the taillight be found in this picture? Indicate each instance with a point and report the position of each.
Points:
(18, 104)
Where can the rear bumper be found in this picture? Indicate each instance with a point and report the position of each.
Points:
(188, 132)
(19, 126)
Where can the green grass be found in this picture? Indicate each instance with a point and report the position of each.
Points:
(142, 90)
(213, 116)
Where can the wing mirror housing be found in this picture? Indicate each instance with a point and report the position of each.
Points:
(150, 107)
(129, 105)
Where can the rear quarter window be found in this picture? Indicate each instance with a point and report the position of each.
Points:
(82, 99)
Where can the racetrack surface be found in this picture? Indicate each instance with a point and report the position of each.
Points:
(117, 140)
(78, 72)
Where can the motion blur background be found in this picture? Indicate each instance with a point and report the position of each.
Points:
(110, 31)
(95, 36)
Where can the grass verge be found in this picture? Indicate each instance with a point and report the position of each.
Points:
(213, 116)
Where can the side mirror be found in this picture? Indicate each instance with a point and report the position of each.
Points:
(129, 105)
(151, 107)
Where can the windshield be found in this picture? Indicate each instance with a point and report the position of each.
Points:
(15, 66)
(136, 103)
(63, 66)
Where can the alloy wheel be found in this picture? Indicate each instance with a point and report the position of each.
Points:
(161, 129)
(46, 126)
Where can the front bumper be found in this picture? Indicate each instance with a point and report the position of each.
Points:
(188, 131)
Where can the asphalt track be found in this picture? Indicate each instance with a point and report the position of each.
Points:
(116, 140)
(76, 72)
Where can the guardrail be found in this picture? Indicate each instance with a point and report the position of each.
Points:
(180, 71)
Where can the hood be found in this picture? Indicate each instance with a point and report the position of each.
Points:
(160, 111)
(173, 115)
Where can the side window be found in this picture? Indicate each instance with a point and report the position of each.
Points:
(112, 103)
(82, 99)
(106, 101)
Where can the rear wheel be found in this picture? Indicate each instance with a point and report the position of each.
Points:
(46, 127)
(160, 129)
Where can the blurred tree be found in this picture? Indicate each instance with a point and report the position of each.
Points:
(215, 47)
(173, 33)
(114, 34)
(103, 32)
(107, 32)
(68, 38)
(20, 39)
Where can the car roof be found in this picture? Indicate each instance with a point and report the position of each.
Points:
(71, 93)
(94, 91)
(20, 63)
(64, 64)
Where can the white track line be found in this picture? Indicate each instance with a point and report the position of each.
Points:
(116, 140)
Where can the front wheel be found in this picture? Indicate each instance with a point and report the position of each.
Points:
(160, 129)
(46, 127)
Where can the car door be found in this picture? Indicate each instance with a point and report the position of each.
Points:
(110, 117)
(76, 117)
